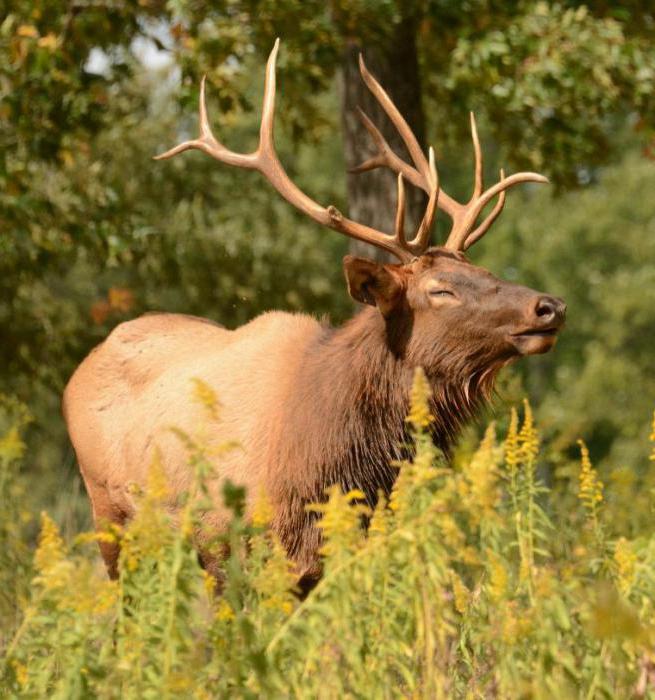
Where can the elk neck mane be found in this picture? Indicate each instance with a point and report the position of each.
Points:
(350, 399)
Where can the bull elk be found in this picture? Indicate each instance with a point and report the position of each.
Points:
(309, 404)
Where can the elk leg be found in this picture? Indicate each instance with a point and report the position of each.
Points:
(104, 515)
(212, 565)
(110, 552)
(308, 563)
(307, 580)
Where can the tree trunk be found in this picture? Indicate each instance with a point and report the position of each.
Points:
(372, 195)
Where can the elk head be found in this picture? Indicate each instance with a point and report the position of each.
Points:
(435, 303)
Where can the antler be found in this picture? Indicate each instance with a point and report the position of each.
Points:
(266, 161)
(422, 174)
(464, 216)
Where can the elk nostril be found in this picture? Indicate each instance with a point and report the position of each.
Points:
(546, 308)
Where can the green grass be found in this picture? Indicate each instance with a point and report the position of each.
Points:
(473, 581)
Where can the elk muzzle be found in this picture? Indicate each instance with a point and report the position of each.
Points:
(544, 318)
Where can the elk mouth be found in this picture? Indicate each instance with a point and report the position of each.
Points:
(537, 331)
(535, 341)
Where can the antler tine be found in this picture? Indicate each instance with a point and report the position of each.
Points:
(421, 240)
(478, 184)
(397, 119)
(386, 157)
(266, 144)
(462, 225)
(486, 224)
(399, 227)
(462, 235)
(208, 143)
(419, 176)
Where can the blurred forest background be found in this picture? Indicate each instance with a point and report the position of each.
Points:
(93, 232)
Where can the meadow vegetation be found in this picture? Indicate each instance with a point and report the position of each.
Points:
(475, 580)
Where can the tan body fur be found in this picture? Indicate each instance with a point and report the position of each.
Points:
(123, 400)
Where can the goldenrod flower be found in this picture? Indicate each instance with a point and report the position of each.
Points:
(626, 565)
(21, 673)
(498, 577)
(419, 402)
(528, 436)
(262, 512)
(224, 612)
(461, 594)
(591, 487)
(205, 396)
(51, 550)
(480, 491)
(341, 519)
(512, 448)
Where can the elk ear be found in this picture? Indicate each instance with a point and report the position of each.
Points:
(372, 283)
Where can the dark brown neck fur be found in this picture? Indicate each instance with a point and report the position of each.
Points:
(348, 409)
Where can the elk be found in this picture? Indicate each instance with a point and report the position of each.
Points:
(309, 404)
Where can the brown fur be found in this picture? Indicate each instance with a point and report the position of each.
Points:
(310, 405)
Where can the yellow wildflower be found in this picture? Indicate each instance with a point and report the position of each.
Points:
(11, 445)
(452, 534)
(498, 578)
(275, 581)
(262, 512)
(205, 396)
(626, 564)
(528, 437)
(515, 626)
(341, 519)
(652, 439)
(379, 524)
(480, 491)
(512, 450)
(51, 550)
(461, 594)
(21, 672)
(224, 612)
(157, 488)
(108, 536)
(591, 487)
(28, 31)
(209, 584)
(419, 403)
(49, 41)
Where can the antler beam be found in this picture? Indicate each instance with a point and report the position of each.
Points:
(266, 161)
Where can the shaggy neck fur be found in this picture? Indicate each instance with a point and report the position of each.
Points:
(348, 406)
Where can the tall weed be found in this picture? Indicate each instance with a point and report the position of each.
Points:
(476, 580)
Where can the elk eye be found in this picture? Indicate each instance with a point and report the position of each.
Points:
(441, 293)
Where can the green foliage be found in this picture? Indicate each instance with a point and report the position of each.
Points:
(14, 550)
(477, 581)
(51, 108)
(539, 70)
